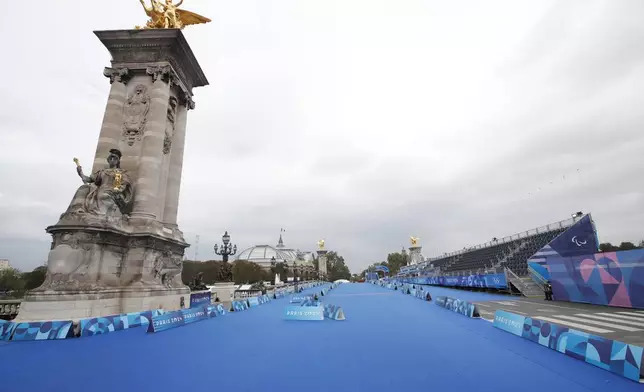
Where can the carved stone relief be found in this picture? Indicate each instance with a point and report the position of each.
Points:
(170, 125)
(135, 114)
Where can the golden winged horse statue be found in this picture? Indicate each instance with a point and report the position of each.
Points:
(167, 15)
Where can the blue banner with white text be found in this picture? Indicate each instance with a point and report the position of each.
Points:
(306, 313)
(200, 298)
(496, 281)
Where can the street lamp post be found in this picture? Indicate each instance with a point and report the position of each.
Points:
(227, 249)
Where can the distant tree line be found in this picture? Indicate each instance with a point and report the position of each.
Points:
(14, 283)
(627, 245)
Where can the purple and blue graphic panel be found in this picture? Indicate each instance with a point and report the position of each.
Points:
(611, 278)
(118, 322)
(45, 330)
(6, 329)
(612, 355)
(253, 301)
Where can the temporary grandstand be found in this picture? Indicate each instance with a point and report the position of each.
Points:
(508, 255)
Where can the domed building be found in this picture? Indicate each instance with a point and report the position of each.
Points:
(264, 255)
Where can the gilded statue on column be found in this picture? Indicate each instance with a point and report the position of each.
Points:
(413, 240)
(167, 15)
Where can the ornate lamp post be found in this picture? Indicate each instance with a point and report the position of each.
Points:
(227, 249)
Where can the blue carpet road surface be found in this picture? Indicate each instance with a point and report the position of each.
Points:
(389, 342)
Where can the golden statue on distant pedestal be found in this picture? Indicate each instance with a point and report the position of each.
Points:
(168, 16)
(414, 240)
(321, 244)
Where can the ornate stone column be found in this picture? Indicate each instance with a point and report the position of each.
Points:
(112, 127)
(171, 206)
(149, 170)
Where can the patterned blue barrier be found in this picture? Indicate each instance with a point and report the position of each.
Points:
(253, 302)
(304, 313)
(44, 330)
(459, 306)
(239, 306)
(118, 322)
(333, 312)
(264, 299)
(215, 310)
(422, 294)
(201, 298)
(310, 302)
(6, 329)
(612, 355)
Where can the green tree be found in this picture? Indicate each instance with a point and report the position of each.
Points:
(608, 247)
(35, 278)
(395, 261)
(627, 245)
(247, 272)
(336, 267)
(11, 280)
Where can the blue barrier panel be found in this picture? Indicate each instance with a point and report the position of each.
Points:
(296, 299)
(310, 302)
(102, 325)
(239, 306)
(264, 299)
(44, 330)
(509, 322)
(166, 321)
(253, 301)
(457, 305)
(424, 295)
(216, 310)
(200, 298)
(6, 329)
(193, 315)
(177, 318)
(306, 313)
(333, 312)
(612, 355)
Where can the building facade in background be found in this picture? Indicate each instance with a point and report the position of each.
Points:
(4, 264)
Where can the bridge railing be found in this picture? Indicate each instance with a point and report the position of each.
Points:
(9, 308)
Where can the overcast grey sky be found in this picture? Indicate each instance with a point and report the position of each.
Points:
(359, 121)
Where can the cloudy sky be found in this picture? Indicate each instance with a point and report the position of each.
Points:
(359, 121)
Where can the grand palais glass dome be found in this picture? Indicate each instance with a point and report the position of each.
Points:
(264, 254)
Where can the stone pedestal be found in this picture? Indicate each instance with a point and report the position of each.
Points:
(415, 256)
(322, 262)
(104, 261)
(225, 291)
